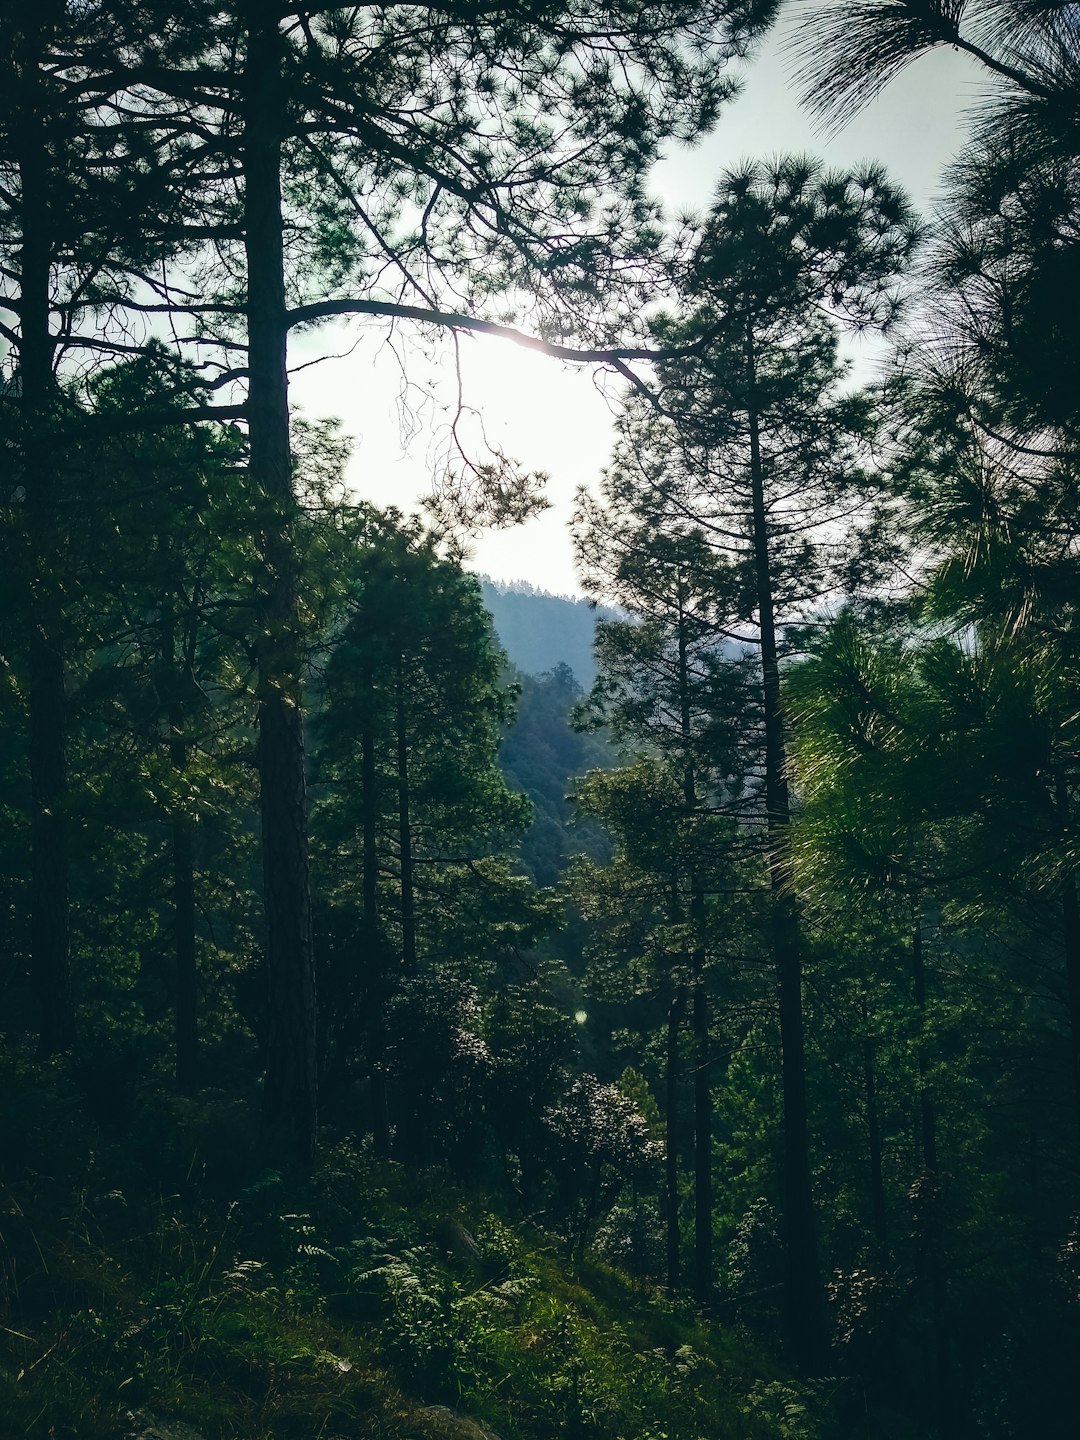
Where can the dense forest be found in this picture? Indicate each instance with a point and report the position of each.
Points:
(540, 631)
(673, 1042)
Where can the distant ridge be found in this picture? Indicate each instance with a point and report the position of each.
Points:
(539, 630)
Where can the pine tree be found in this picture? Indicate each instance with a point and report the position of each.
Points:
(164, 573)
(330, 154)
(412, 813)
(84, 210)
(663, 683)
(760, 447)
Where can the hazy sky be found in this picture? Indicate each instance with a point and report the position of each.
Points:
(557, 418)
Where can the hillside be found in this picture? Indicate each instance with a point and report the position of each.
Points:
(543, 755)
(549, 641)
(176, 1292)
(539, 631)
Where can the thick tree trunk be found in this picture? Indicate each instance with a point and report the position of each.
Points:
(290, 1091)
(671, 1139)
(41, 478)
(803, 1317)
(1070, 916)
(1070, 938)
(1070, 942)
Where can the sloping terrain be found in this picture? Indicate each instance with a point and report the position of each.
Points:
(540, 631)
(162, 1290)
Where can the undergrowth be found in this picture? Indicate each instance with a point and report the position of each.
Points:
(155, 1282)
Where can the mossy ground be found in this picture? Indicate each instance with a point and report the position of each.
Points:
(146, 1285)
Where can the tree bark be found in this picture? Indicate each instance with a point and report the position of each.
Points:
(1070, 917)
(380, 1117)
(671, 1139)
(187, 1002)
(873, 1130)
(290, 1090)
(186, 1023)
(405, 856)
(49, 943)
(703, 1206)
(927, 1116)
(803, 1314)
(703, 1199)
(1070, 939)
(933, 1199)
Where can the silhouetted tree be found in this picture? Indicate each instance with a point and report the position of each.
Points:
(760, 447)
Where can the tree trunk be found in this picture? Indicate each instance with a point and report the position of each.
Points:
(933, 1200)
(1070, 939)
(703, 1205)
(927, 1117)
(414, 1133)
(1070, 916)
(186, 1022)
(873, 1130)
(803, 1317)
(703, 1246)
(671, 1139)
(187, 1003)
(290, 1091)
(408, 907)
(41, 479)
(380, 1117)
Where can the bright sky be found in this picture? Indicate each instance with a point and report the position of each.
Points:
(554, 417)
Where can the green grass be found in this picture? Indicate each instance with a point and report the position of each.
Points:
(369, 1301)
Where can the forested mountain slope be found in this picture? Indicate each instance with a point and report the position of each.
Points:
(344, 1092)
(543, 755)
(539, 631)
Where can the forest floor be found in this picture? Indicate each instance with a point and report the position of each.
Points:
(149, 1288)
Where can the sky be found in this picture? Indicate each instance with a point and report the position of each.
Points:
(557, 418)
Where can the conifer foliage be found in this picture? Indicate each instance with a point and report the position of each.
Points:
(746, 964)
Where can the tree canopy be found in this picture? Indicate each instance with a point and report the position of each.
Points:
(394, 1042)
